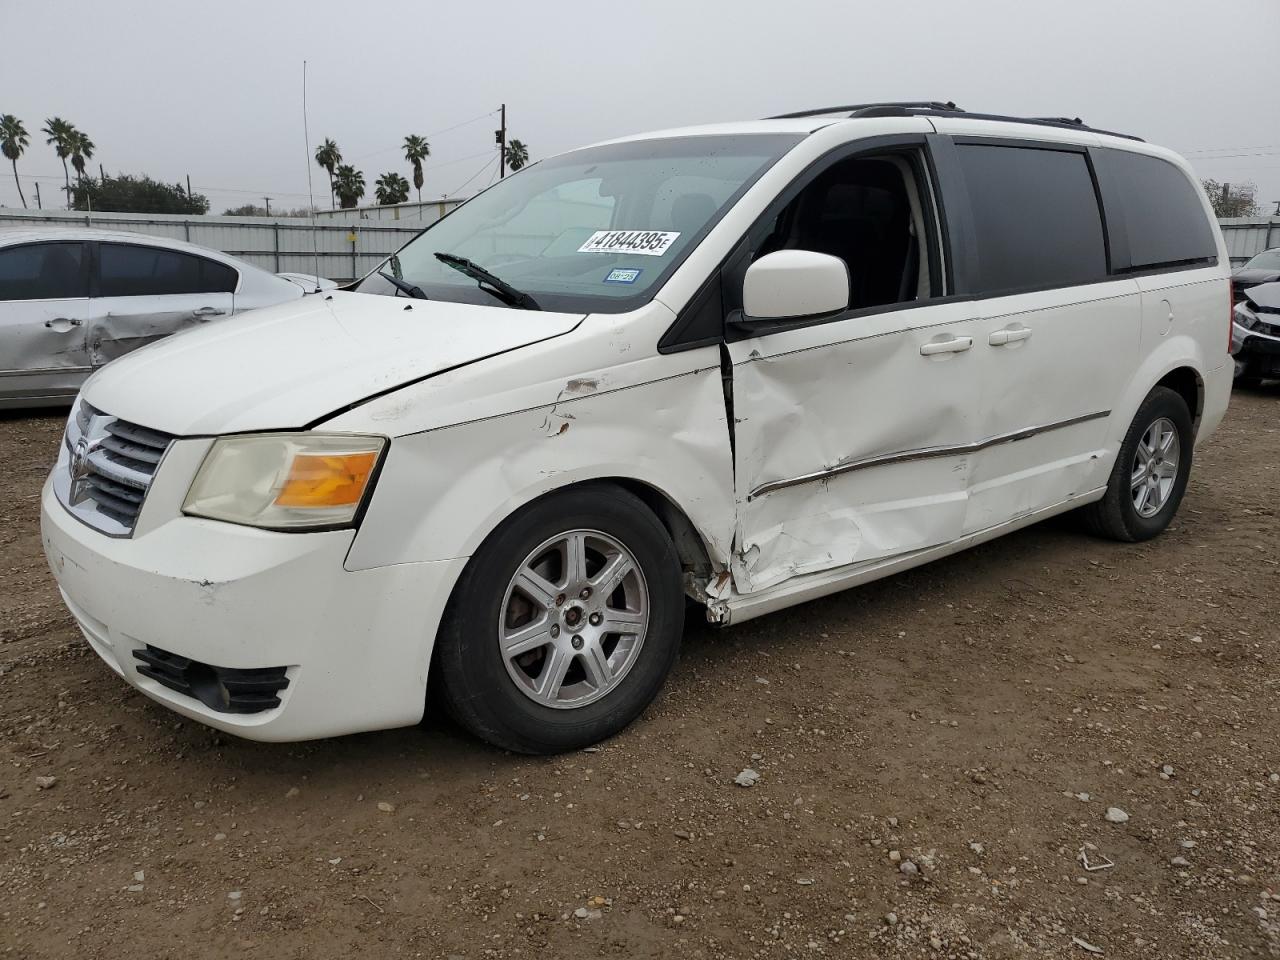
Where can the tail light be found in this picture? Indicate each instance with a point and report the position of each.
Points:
(1231, 311)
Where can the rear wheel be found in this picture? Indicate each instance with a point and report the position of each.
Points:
(565, 623)
(1150, 474)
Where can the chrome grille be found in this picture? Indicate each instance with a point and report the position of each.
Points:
(106, 468)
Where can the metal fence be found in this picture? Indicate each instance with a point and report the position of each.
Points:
(345, 251)
(352, 242)
(1246, 236)
(428, 211)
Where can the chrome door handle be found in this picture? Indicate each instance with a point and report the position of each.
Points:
(954, 345)
(69, 321)
(1016, 335)
(207, 312)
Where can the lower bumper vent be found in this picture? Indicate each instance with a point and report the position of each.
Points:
(224, 689)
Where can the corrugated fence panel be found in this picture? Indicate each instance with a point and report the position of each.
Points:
(1247, 236)
(350, 243)
(345, 251)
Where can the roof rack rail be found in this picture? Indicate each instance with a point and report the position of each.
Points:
(935, 108)
(858, 107)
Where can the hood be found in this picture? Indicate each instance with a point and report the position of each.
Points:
(1265, 295)
(1247, 277)
(286, 366)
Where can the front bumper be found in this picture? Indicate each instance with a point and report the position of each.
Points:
(1259, 352)
(355, 645)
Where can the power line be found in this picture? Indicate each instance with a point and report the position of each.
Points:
(428, 136)
(458, 189)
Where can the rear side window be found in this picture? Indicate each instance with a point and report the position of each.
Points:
(126, 270)
(1163, 218)
(1035, 217)
(43, 271)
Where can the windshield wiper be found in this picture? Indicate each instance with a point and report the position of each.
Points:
(404, 286)
(499, 287)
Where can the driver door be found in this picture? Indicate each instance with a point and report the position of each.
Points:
(854, 434)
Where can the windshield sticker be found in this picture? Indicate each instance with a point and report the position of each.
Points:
(623, 275)
(646, 243)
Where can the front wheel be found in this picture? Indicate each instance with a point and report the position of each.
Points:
(564, 624)
(1150, 474)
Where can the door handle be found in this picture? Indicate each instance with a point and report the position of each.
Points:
(70, 322)
(954, 345)
(1015, 335)
(207, 312)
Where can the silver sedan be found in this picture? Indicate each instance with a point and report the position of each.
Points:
(73, 300)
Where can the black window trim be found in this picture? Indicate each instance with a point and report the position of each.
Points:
(95, 276)
(729, 273)
(86, 274)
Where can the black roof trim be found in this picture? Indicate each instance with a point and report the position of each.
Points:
(937, 108)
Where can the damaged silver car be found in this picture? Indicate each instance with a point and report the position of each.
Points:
(72, 300)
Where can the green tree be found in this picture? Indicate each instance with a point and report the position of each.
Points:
(391, 188)
(416, 149)
(517, 155)
(348, 183)
(81, 150)
(130, 194)
(1232, 199)
(329, 156)
(61, 135)
(14, 140)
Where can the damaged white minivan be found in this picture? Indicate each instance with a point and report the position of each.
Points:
(748, 364)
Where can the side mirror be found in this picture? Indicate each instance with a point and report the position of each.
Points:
(794, 285)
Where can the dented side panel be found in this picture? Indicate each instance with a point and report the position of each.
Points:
(842, 438)
(123, 324)
(670, 434)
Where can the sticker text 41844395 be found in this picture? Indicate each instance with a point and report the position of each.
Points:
(645, 243)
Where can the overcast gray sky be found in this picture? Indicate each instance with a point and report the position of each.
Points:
(213, 89)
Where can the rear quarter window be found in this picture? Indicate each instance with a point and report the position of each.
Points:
(1035, 216)
(1158, 209)
(128, 270)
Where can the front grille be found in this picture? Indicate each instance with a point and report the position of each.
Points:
(224, 689)
(109, 467)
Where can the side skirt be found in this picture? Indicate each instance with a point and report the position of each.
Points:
(741, 608)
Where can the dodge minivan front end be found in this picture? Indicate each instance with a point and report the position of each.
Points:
(208, 573)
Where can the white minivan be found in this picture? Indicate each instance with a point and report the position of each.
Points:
(748, 364)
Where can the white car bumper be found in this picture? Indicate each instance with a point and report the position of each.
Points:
(234, 610)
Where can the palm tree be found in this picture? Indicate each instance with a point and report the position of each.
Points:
(517, 155)
(391, 188)
(61, 134)
(416, 149)
(14, 140)
(329, 156)
(348, 183)
(81, 150)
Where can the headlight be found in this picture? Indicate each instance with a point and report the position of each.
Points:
(1245, 317)
(285, 481)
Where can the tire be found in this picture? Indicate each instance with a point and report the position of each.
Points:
(1119, 515)
(612, 677)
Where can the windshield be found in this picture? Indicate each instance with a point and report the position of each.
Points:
(596, 230)
(1267, 260)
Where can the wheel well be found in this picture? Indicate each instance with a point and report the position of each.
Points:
(694, 558)
(1185, 382)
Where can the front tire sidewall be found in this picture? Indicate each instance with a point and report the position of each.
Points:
(477, 688)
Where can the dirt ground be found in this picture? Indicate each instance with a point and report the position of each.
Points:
(935, 751)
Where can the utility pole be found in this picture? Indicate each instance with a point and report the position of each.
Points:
(501, 136)
(268, 201)
(188, 186)
(39, 205)
(1226, 198)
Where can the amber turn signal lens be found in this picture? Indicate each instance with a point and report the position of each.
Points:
(326, 480)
